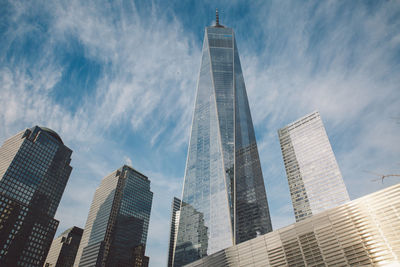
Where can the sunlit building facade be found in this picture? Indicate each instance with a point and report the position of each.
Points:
(314, 177)
(224, 200)
(118, 220)
(34, 170)
(363, 232)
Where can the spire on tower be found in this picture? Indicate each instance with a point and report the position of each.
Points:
(217, 19)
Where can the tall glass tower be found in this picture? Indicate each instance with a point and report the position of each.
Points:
(34, 170)
(118, 220)
(314, 177)
(224, 200)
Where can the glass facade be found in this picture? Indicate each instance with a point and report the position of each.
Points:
(176, 205)
(223, 200)
(363, 232)
(63, 249)
(34, 170)
(314, 178)
(118, 220)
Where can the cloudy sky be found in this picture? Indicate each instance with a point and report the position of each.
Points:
(117, 81)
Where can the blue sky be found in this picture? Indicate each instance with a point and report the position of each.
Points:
(117, 81)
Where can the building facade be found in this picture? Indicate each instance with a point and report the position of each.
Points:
(363, 232)
(314, 177)
(64, 248)
(175, 207)
(139, 259)
(224, 200)
(118, 220)
(34, 170)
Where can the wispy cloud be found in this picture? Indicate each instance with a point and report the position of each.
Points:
(339, 59)
(144, 87)
(117, 81)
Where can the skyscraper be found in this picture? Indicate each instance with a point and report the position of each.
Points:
(63, 249)
(118, 220)
(34, 170)
(314, 178)
(223, 200)
(175, 207)
(139, 259)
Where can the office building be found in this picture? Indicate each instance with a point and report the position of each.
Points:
(363, 232)
(314, 178)
(34, 170)
(63, 249)
(175, 207)
(139, 259)
(118, 220)
(224, 200)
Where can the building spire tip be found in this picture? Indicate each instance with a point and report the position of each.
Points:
(217, 19)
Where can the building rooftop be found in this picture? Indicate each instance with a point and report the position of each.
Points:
(51, 133)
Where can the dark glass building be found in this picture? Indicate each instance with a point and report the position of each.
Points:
(139, 259)
(118, 220)
(63, 249)
(224, 200)
(34, 170)
(175, 206)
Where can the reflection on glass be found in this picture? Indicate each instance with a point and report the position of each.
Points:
(34, 170)
(224, 200)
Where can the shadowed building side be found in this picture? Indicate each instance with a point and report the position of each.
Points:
(63, 249)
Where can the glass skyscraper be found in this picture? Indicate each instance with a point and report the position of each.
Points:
(314, 178)
(223, 200)
(118, 220)
(34, 170)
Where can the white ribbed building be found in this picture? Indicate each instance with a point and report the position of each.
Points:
(363, 232)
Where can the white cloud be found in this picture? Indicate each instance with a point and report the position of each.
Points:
(340, 60)
(150, 67)
(128, 161)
